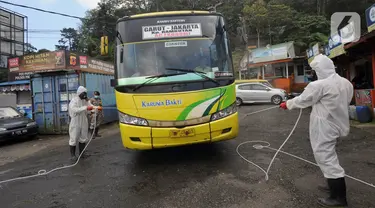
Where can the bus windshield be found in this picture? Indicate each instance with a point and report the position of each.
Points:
(137, 60)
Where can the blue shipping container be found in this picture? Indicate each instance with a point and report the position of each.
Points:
(52, 94)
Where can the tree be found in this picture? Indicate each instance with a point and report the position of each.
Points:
(307, 30)
(69, 40)
(304, 22)
(43, 50)
(28, 49)
(257, 16)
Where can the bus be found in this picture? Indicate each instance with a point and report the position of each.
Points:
(174, 80)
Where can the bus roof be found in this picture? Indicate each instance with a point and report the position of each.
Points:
(167, 13)
(152, 14)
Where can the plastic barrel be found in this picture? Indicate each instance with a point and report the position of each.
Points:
(364, 114)
(353, 112)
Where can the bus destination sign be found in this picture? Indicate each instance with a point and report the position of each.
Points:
(171, 31)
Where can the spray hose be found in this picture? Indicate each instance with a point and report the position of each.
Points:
(44, 172)
(256, 146)
(264, 144)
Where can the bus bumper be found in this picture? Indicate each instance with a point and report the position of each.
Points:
(144, 138)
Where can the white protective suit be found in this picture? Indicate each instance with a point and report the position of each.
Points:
(329, 97)
(78, 127)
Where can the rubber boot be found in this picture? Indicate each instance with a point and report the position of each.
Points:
(73, 157)
(81, 148)
(324, 187)
(96, 132)
(337, 196)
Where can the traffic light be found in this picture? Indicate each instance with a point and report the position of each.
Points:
(104, 45)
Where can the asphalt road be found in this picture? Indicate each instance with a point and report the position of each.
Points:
(195, 176)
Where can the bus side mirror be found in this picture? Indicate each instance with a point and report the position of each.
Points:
(113, 82)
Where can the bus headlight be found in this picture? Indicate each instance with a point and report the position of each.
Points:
(127, 119)
(225, 112)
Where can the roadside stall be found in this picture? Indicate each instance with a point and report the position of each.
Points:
(21, 90)
(362, 72)
(54, 79)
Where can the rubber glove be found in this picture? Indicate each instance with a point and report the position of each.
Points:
(89, 107)
(283, 106)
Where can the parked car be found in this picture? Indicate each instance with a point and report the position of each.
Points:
(15, 124)
(263, 81)
(259, 93)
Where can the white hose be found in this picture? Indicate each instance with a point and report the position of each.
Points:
(268, 146)
(43, 172)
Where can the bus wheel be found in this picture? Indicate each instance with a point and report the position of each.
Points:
(238, 101)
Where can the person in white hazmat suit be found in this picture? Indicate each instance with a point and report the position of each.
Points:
(329, 97)
(78, 127)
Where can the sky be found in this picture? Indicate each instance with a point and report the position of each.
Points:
(45, 21)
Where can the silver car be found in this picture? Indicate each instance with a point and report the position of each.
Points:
(259, 93)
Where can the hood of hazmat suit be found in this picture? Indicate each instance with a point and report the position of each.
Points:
(329, 98)
(81, 89)
(78, 127)
(323, 66)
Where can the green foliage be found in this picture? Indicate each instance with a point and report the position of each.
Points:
(305, 22)
(306, 30)
(69, 40)
(29, 49)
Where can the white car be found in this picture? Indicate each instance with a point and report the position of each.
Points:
(259, 93)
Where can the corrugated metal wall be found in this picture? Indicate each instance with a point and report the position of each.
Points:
(102, 83)
(51, 97)
(52, 94)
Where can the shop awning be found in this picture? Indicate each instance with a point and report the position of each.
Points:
(253, 65)
(19, 85)
(364, 38)
(18, 82)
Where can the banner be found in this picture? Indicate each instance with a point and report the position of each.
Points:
(273, 52)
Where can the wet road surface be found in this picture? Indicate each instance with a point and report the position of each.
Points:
(210, 175)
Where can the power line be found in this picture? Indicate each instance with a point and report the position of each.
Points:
(42, 10)
(52, 12)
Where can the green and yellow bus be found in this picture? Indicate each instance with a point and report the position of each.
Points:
(174, 80)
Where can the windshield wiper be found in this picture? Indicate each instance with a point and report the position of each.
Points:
(199, 73)
(153, 78)
(118, 35)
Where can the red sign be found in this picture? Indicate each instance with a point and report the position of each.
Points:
(13, 62)
(83, 60)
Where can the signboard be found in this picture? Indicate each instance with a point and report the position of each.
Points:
(91, 65)
(19, 76)
(12, 33)
(23, 67)
(312, 52)
(48, 61)
(336, 48)
(370, 18)
(274, 52)
(171, 31)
